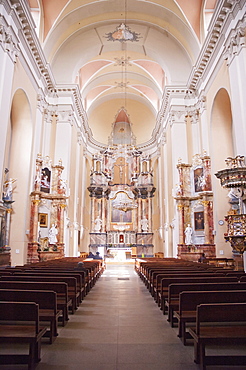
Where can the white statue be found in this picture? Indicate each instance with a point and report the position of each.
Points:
(8, 189)
(144, 224)
(98, 224)
(188, 235)
(52, 234)
(62, 186)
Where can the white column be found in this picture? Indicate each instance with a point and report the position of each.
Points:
(6, 79)
(204, 127)
(236, 61)
(178, 140)
(195, 128)
(179, 149)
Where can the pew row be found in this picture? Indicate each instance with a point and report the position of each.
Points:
(219, 324)
(174, 291)
(61, 289)
(189, 301)
(20, 324)
(47, 302)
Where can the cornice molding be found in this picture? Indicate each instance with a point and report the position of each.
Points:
(225, 13)
(30, 42)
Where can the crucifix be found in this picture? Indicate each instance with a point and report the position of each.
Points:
(122, 173)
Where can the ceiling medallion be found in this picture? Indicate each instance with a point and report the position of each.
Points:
(122, 33)
(123, 62)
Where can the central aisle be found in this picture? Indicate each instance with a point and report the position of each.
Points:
(118, 326)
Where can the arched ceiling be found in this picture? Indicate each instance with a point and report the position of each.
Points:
(122, 53)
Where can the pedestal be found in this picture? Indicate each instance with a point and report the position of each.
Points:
(32, 252)
(194, 251)
(5, 259)
(47, 256)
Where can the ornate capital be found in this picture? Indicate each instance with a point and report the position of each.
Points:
(41, 103)
(236, 41)
(36, 201)
(8, 40)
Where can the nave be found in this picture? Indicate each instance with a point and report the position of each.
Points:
(118, 326)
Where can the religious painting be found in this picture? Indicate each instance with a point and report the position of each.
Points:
(45, 180)
(199, 220)
(127, 216)
(198, 179)
(121, 216)
(43, 219)
(115, 215)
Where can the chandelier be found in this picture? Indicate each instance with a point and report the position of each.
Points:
(125, 205)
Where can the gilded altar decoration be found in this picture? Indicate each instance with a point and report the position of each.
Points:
(194, 199)
(48, 202)
(123, 33)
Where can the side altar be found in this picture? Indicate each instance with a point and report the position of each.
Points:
(194, 200)
(48, 204)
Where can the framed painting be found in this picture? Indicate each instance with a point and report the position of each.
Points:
(43, 219)
(199, 220)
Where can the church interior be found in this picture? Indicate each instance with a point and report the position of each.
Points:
(117, 118)
(123, 136)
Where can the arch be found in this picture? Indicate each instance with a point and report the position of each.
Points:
(19, 157)
(221, 129)
(221, 148)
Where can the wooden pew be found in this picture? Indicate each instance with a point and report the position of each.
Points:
(61, 288)
(157, 286)
(219, 324)
(83, 286)
(47, 302)
(153, 275)
(59, 273)
(174, 280)
(94, 267)
(174, 291)
(150, 268)
(146, 266)
(20, 324)
(70, 281)
(188, 301)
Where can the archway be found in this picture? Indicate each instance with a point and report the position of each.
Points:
(18, 159)
(221, 148)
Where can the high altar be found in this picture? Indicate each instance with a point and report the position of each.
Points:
(121, 190)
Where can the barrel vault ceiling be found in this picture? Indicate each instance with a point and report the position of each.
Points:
(122, 53)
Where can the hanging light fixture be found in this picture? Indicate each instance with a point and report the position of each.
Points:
(125, 205)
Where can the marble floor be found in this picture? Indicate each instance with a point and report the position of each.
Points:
(118, 326)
